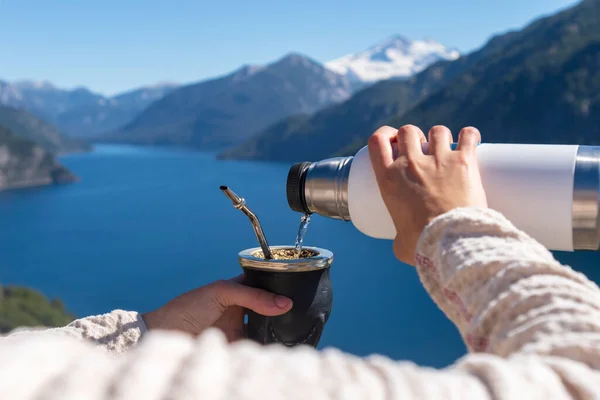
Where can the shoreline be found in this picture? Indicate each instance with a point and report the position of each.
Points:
(49, 180)
(38, 183)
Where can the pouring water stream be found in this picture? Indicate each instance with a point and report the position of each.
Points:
(304, 221)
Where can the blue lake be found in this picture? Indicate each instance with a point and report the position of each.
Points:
(147, 224)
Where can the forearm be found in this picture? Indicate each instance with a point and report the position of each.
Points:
(504, 291)
(175, 366)
(116, 331)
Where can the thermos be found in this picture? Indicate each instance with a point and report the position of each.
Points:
(552, 192)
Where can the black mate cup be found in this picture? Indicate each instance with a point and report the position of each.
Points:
(305, 280)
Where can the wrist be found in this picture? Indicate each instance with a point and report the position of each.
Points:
(152, 319)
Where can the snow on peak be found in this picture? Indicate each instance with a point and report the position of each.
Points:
(396, 57)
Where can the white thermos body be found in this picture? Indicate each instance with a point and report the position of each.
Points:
(552, 192)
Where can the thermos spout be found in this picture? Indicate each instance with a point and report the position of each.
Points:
(320, 187)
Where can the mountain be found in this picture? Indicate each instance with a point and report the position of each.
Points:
(79, 112)
(396, 57)
(344, 126)
(537, 85)
(300, 136)
(223, 111)
(25, 125)
(23, 163)
(106, 114)
(42, 98)
(542, 88)
(28, 147)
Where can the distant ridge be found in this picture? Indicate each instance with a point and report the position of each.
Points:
(536, 85)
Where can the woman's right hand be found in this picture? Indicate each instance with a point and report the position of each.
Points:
(417, 187)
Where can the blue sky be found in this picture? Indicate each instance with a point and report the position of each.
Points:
(114, 45)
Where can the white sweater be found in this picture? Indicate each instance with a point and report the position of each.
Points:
(532, 327)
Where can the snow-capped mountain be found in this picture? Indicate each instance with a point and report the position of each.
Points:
(396, 57)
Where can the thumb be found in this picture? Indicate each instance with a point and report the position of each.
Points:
(230, 293)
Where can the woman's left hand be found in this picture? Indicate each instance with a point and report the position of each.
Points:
(220, 304)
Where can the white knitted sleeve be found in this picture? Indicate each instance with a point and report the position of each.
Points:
(114, 332)
(531, 324)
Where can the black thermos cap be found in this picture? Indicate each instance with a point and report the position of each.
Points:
(295, 187)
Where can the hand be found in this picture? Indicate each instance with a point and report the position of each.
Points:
(220, 304)
(416, 187)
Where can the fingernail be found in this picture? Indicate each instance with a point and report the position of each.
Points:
(282, 302)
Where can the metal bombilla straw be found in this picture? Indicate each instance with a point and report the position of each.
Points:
(240, 204)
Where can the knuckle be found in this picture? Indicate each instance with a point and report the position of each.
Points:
(464, 159)
(219, 290)
(469, 129)
(408, 129)
(383, 129)
(260, 296)
(413, 164)
(221, 286)
(379, 136)
(413, 169)
(470, 133)
(374, 139)
(440, 131)
(440, 128)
